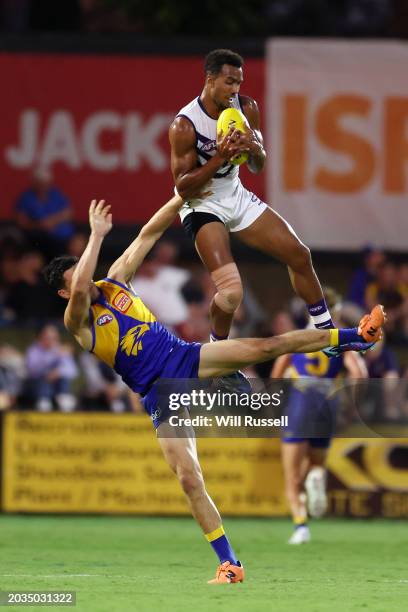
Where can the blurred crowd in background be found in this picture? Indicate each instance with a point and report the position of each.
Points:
(363, 18)
(41, 368)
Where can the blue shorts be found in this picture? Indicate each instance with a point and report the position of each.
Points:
(182, 362)
(311, 418)
(313, 442)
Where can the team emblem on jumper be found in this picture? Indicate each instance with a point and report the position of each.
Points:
(122, 301)
(104, 319)
(131, 343)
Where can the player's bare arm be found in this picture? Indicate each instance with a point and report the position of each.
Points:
(252, 141)
(124, 268)
(189, 178)
(77, 311)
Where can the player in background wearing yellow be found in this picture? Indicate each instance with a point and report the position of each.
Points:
(304, 457)
(107, 318)
(217, 203)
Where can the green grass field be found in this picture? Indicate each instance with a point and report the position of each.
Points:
(141, 564)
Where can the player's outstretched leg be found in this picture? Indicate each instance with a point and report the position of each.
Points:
(181, 455)
(220, 358)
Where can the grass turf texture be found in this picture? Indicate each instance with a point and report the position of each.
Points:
(161, 564)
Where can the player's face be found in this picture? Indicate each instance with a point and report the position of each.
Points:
(225, 85)
(66, 291)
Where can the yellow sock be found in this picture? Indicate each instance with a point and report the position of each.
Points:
(334, 337)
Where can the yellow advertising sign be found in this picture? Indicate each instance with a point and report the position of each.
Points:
(369, 477)
(103, 463)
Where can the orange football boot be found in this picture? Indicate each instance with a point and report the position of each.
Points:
(370, 325)
(228, 573)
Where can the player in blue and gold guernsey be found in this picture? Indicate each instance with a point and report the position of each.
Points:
(311, 414)
(107, 318)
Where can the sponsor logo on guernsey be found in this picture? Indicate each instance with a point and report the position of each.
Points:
(104, 319)
(122, 301)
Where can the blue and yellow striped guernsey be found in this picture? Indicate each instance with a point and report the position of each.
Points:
(127, 336)
(315, 364)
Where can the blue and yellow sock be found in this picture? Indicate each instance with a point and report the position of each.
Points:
(221, 545)
(344, 336)
(299, 521)
(320, 315)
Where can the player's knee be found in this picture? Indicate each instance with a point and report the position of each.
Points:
(301, 258)
(293, 484)
(229, 300)
(229, 287)
(191, 480)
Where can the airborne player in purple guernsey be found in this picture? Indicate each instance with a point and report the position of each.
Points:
(216, 203)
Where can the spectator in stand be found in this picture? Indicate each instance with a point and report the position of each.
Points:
(387, 290)
(44, 214)
(104, 389)
(280, 323)
(159, 283)
(196, 327)
(12, 373)
(51, 369)
(403, 288)
(403, 278)
(77, 244)
(382, 363)
(372, 259)
(8, 276)
(29, 298)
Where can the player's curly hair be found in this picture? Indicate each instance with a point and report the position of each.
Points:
(54, 271)
(216, 59)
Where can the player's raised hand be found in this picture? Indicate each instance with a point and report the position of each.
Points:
(100, 219)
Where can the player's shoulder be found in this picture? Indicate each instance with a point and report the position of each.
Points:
(182, 123)
(182, 127)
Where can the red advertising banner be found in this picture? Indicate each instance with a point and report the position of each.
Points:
(100, 123)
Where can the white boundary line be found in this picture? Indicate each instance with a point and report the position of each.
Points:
(400, 581)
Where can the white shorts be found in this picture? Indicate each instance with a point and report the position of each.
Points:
(237, 212)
